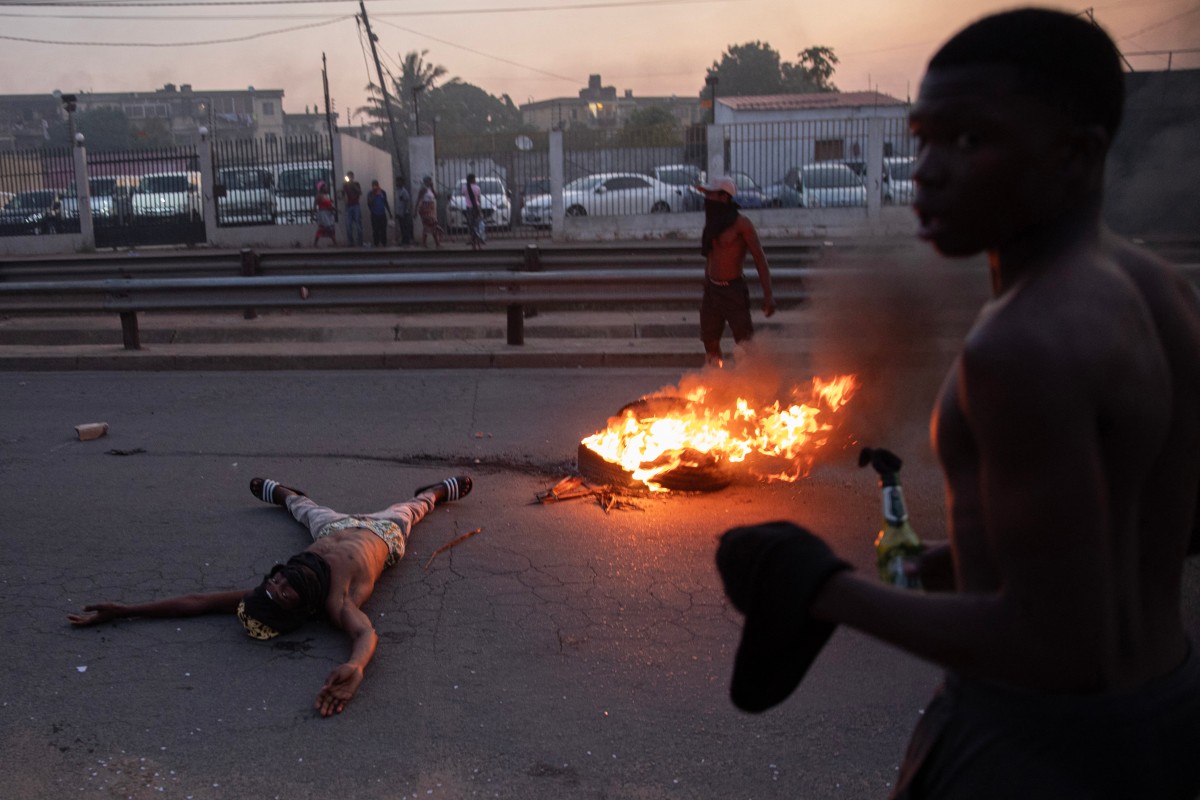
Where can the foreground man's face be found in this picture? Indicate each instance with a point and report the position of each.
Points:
(982, 166)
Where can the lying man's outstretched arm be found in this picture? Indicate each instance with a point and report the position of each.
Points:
(343, 682)
(188, 605)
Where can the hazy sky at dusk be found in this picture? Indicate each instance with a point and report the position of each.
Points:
(528, 49)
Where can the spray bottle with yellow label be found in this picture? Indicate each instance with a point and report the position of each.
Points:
(897, 546)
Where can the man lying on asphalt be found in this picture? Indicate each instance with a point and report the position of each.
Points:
(336, 575)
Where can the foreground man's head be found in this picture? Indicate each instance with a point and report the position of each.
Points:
(1013, 121)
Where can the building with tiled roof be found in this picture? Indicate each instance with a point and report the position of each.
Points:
(815, 105)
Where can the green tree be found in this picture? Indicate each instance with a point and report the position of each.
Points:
(151, 133)
(415, 72)
(747, 69)
(462, 108)
(756, 68)
(812, 71)
(105, 129)
(651, 127)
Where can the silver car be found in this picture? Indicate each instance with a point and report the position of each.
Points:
(608, 194)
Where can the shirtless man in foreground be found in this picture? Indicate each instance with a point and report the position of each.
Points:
(1068, 429)
(727, 237)
(335, 576)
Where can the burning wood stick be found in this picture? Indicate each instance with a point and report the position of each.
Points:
(452, 543)
(566, 489)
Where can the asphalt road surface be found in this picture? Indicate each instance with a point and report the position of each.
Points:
(563, 652)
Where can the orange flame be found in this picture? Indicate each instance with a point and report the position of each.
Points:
(695, 430)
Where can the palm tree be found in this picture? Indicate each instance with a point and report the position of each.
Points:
(416, 76)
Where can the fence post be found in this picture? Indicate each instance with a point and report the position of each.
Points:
(516, 311)
(715, 143)
(208, 178)
(249, 270)
(533, 263)
(83, 194)
(129, 331)
(556, 186)
(874, 171)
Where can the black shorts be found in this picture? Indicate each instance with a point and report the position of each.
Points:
(724, 303)
(987, 742)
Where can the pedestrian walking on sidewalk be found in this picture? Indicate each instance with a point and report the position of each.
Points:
(352, 195)
(334, 577)
(403, 212)
(377, 204)
(473, 212)
(427, 209)
(326, 217)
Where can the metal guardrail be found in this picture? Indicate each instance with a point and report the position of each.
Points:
(513, 291)
(189, 264)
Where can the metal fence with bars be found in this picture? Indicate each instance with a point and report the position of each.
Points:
(816, 163)
(269, 181)
(143, 197)
(36, 192)
(510, 169)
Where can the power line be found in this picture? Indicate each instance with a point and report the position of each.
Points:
(420, 13)
(230, 40)
(480, 52)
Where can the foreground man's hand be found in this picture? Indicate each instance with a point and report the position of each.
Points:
(339, 689)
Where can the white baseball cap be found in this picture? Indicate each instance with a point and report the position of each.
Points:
(721, 183)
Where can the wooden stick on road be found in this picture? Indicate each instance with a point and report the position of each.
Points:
(450, 544)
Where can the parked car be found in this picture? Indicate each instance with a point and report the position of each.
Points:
(530, 189)
(825, 184)
(296, 191)
(900, 182)
(168, 197)
(495, 199)
(33, 212)
(111, 199)
(687, 177)
(781, 195)
(246, 196)
(608, 194)
(749, 193)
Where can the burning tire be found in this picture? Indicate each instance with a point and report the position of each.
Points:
(703, 476)
(700, 472)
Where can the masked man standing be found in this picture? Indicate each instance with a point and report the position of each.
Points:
(726, 239)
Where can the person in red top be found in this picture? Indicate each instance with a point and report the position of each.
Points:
(326, 218)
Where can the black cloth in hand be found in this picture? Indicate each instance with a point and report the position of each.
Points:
(772, 572)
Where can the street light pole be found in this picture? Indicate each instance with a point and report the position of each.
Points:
(711, 81)
(69, 105)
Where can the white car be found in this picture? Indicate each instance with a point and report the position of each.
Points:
(900, 182)
(830, 184)
(496, 202)
(296, 191)
(168, 196)
(246, 196)
(608, 194)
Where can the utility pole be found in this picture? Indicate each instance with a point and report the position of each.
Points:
(328, 109)
(387, 98)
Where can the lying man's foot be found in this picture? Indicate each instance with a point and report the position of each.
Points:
(270, 491)
(450, 489)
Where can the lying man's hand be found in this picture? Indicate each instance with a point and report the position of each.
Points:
(101, 612)
(339, 689)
